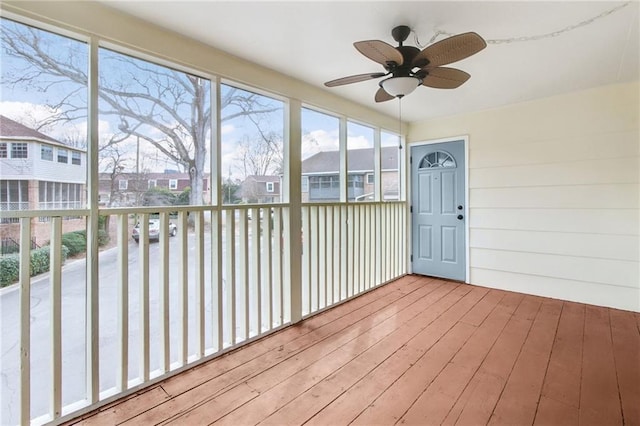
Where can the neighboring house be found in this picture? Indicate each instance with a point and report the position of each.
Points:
(321, 175)
(260, 189)
(38, 172)
(127, 189)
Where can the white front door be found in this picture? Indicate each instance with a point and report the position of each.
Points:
(437, 210)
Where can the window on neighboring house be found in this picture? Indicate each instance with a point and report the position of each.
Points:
(270, 186)
(173, 183)
(152, 183)
(123, 184)
(19, 150)
(75, 158)
(46, 152)
(3, 150)
(370, 179)
(63, 156)
(305, 183)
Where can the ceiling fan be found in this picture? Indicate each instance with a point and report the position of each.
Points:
(410, 67)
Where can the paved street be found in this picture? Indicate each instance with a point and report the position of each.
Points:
(73, 327)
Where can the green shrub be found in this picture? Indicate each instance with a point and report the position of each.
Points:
(9, 269)
(40, 262)
(75, 242)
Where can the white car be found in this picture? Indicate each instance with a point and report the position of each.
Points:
(154, 230)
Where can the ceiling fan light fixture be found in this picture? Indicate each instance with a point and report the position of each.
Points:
(400, 86)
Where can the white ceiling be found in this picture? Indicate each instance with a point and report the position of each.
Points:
(312, 41)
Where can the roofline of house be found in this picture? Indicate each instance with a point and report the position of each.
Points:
(38, 140)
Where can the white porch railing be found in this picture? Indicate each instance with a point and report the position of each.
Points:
(163, 307)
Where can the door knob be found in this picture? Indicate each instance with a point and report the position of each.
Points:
(460, 217)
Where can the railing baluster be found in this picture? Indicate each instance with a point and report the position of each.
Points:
(183, 283)
(286, 291)
(322, 257)
(306, 261)
(258, 222)
(330, 247)
(230, 278)
(377, 229)
(337, 253)
(243, 281)
(267, 277)
(55, 279)
(122, 376)
(25, 321)
(164, 341)
(277, 296)
(216, 281)
(143, 247)
(315, 290)
(199, 296)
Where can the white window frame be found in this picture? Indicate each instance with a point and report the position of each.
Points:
(173, 184)
(66, 156)
(271, 187)
(76, 158)
(14, 150)
(123, 184)
(48, 150)
(370, 179)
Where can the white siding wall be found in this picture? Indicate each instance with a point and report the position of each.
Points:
(16, 168)
(58, 172)
(554, 189)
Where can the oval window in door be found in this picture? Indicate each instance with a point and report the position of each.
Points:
(437, 159)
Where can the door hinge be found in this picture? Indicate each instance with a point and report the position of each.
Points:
(411, 209)
(410, 160)
(412, 258)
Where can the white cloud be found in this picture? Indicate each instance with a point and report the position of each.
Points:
(319, 140)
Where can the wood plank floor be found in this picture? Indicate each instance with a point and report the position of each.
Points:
(416, 351)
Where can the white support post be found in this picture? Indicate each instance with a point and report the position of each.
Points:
(306, 260)
(216, 217)
(92, 311)
(25, 321)
(293, 190)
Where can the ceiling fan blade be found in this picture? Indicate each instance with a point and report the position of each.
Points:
(354, 79)
(444, 78)
(379, 51)
(382, 96)
(450, 50)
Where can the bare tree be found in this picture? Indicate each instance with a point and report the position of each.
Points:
(261, 156)
(167, 108)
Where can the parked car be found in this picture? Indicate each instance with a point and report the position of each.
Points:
(154, 230)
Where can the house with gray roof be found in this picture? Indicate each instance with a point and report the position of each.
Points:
(38, 172)
(321, 175)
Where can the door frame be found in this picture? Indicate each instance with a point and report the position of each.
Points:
(467, 250)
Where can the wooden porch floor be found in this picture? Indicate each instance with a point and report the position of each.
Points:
(416, 351)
